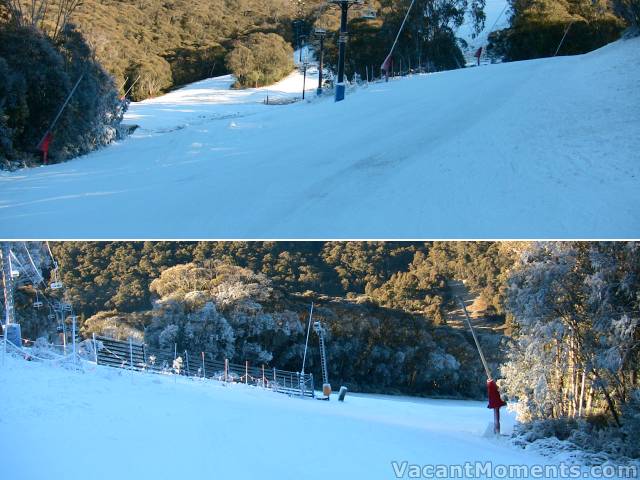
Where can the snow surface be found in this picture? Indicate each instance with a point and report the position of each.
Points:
(545, 148)
(106, 423)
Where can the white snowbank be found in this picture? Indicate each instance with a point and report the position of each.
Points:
(538, 149)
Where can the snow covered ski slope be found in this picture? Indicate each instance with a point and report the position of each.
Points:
(107, 423)
(539, 149)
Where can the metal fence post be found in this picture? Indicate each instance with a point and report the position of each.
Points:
(73, 333)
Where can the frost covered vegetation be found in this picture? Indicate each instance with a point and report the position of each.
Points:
(575, 360)
(38, 68)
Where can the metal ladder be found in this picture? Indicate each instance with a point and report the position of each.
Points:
(319, 329)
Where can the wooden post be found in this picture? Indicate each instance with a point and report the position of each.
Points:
(264, 382)
(186, 356)
(246, 371)
(274, 374)
(496, 421)
(204, 371)
(226, 369)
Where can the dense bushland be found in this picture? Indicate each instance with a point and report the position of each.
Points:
(260, 59)
(36, 75)
(537, 28)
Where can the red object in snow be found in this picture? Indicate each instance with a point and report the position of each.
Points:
(478, 54)
(495, 401)
(386, 65)
(44, 146)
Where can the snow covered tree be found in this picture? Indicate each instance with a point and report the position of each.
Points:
(195, 329)
(576, 313)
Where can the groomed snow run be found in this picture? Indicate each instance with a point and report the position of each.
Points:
(106, 423)
(545, 148)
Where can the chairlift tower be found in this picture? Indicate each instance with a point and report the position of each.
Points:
(320, 33)
(11, 330)
(344, 5)
(7, 277)
(16, 271)
(326, 387)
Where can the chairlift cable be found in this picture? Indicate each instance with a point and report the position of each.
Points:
(34, 283)
(35, 269)
(55, 264)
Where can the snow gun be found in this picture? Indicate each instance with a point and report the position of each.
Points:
(495, 400)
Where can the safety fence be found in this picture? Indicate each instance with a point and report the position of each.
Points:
(138, 356)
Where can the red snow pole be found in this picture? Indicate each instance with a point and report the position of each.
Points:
(44, 146)
(495, 401)
(478, 54)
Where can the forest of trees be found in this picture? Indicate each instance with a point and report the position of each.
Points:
(42, 56)
(537, 27)
(428, 41)
(150, 46)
